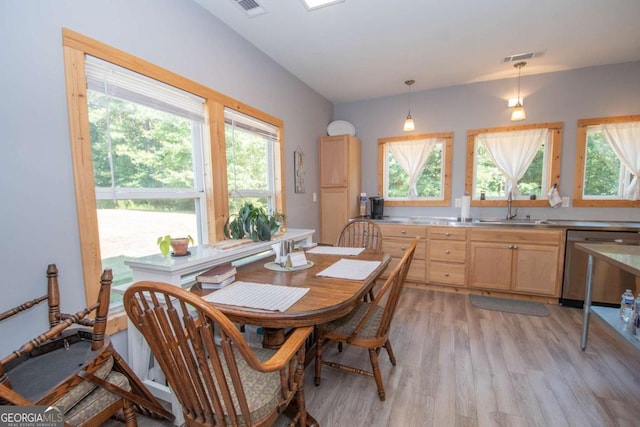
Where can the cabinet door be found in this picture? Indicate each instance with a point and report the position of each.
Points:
(334, 213)
(334, 161)
(490, 265)
(536, 269)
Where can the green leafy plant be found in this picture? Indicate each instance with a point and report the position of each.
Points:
(164, 243)
(253, 223)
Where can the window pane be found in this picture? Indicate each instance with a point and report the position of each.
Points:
(490, 180)
(130, 229)
(603, 170)
(430, 183)
(139, 147)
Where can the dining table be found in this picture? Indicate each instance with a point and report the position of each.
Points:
(327, 298)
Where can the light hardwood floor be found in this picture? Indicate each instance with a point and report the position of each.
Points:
(463, 366)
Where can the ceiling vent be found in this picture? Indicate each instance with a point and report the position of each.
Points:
(522, 57)
(251, 7)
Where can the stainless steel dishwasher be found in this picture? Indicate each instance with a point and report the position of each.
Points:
(609, 282)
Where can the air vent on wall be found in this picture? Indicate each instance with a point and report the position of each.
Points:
(522, 56)
(251, 7)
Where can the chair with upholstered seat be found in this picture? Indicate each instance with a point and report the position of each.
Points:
(216, 377)
(75, 369)
(367, 325)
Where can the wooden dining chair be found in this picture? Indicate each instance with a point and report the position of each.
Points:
(361, 233)
(367, 325)
(216, 377)
(76, 369)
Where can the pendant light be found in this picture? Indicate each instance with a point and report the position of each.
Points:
(518, 111)
(408, 123)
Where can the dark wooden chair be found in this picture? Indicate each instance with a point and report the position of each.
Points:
(361, 233)
(367, 325)
(216, 377)
(75, 368)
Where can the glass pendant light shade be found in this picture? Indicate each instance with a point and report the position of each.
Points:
(408, 123)
(518, 111)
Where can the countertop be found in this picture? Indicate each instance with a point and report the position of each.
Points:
(516, 222)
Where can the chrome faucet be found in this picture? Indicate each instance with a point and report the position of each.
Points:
(509, 201)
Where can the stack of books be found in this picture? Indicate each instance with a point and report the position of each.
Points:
(217, 277)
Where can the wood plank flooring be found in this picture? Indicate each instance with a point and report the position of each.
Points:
(463, 366)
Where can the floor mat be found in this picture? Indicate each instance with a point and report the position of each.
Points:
(528, 308)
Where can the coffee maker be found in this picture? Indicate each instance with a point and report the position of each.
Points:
(377, 207)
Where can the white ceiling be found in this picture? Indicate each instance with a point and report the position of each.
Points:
(364, 49)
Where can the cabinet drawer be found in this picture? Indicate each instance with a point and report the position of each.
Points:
(443, 250)
(498, 235)
(396, 246)
(446, 273)
(402, 230)
(416, 273)
(447, 233)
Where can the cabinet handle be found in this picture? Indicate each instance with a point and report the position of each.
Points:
(512, 247)
(509, 246)
(403, 232)
(446, 274)
(404, 248)
(447, 234)
(515, 246)
(447, 252)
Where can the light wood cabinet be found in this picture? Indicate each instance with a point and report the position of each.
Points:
(396, 238)
(518, 261)
(446, 256)
(340, 184)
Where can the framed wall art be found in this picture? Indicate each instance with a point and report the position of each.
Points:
(298, 170)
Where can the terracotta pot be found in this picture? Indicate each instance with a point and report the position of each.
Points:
(180, 245)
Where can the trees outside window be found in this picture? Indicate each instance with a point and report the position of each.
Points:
(415, 170)
(146, 144)
(523, 160)
(250, 161)
(607, 154)
(160, 168)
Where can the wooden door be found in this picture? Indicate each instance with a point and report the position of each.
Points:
(334, 213)
(536, 269)
(334, 161)
(490, 265)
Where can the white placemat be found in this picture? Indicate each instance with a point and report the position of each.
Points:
(258, 295)
(352, 269)
(335, 250)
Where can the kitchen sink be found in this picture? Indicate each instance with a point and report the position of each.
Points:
(499, 221)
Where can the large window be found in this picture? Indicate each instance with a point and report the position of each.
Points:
(415, 170)
(250, 161)
(521, 161)
(160, 167)
(146, 143)
(608, 162)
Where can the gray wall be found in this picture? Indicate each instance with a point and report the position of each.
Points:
(567, 96)
(38, 203)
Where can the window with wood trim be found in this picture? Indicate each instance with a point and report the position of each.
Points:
(521, 160)
(607, 162)
(216, 202)
(415, 170)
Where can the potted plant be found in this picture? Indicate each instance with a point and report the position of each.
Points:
(179, 245)
(251, 222)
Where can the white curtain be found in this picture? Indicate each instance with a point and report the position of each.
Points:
(411, 156)
(513, 152)
(624, 139)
